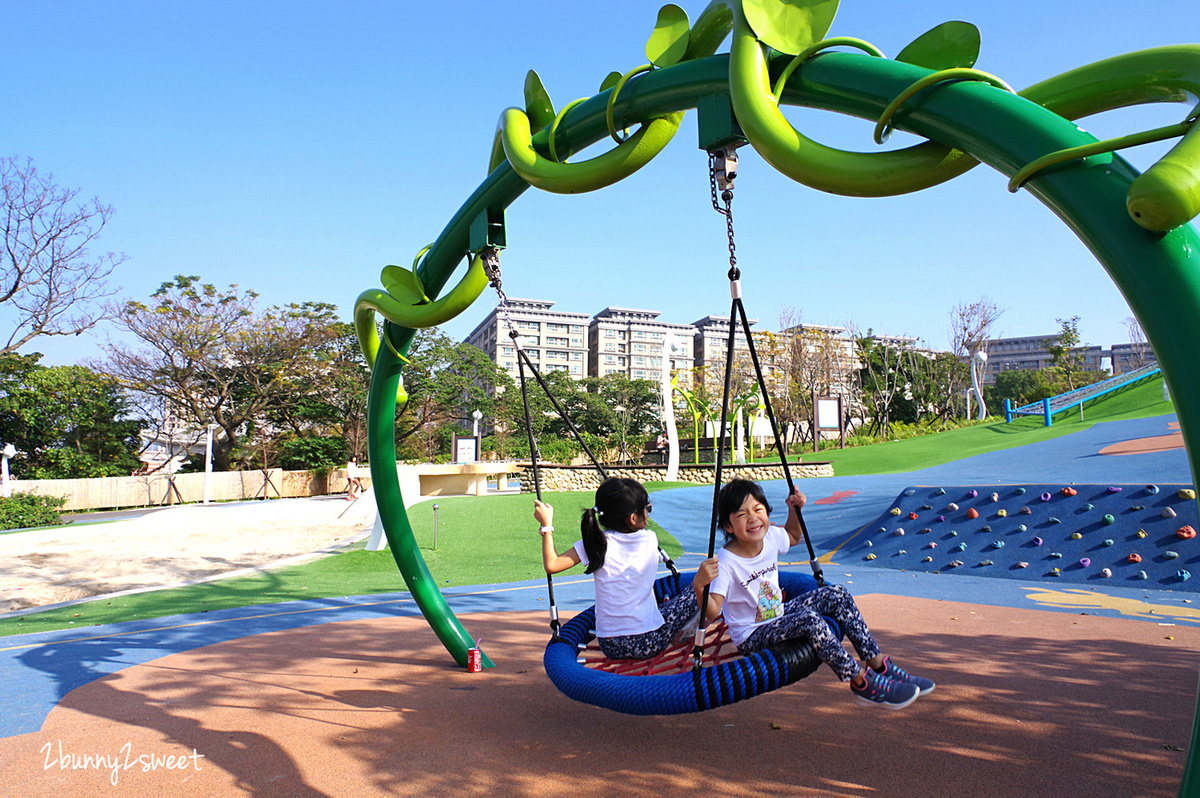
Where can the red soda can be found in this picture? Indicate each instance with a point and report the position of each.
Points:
(474, 660)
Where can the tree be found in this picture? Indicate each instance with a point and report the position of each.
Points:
(67, 422)
(970, 328)
(1066, 358)
(50, 284)
(211, 356)
(445, 381)
(1019, 386)
(1140, 349)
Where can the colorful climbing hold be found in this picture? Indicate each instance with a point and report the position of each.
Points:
(985, 528)
(1142, 575)
(1183, 575)
(1022, 528)
(1085, 561)
(941, 518)
(868, 544)
(933, 544)
(900, 532)
(1171, 555)
(997, 544)
(973, 513)
(940, 492)
(925, 531)
(952, 507)
(1089, 507)
(1038, 541)
(1002, 513)
(1022, 565)
(972, 493)
(1168, 512)
(1025, 511)
(1106, 572)
(902, 551)
(1135, 557)
(1141, 533)
(895, 511)
(926, 507)
(985, 562)
(1054, 572)
(1046, 497)
(1054, 555)
(1068, 491)
(1152, 489)
(1114, 489)
(953, 533)
(1108, 541)
(870, 556)
(910, 491)
(927, 559)
(1053, 520)
(995, 497)
(1186, 493)
(955, 563)
(1186, 532)
(1020, 491)
(1109, 519)
(912, 516)
(1076, 535)
(961, 547)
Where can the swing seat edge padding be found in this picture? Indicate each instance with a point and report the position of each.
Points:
(674, 694)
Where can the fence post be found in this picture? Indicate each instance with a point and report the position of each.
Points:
(1046, 412)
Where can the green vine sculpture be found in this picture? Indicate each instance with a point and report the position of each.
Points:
(780, 52)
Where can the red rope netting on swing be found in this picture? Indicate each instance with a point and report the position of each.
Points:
(676, 658)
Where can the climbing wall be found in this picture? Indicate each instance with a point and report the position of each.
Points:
(1131, 535)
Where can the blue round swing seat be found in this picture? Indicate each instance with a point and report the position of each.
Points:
(679, 693)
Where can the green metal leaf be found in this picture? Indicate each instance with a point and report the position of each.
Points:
(404, 285)
(949, 45)
(790, 25)
(538, 106)
(669, 41)
(609, 81)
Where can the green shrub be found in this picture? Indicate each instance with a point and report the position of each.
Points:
(24, 510)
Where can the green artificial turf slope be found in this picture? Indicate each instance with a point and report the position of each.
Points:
(492, 539)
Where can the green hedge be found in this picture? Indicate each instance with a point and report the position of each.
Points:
(25, 510)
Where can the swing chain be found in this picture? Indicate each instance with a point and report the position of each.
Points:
(490, 256)
(722, 170)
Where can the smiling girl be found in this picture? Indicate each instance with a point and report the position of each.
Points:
(744, 587)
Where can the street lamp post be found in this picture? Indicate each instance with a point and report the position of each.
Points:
(475, 418)
(623, 455)
(6, 454)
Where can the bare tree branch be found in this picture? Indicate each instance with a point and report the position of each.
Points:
(49, 282)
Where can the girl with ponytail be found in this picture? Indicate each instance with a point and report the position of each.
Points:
(621, 554)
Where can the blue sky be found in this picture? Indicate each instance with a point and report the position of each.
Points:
(297, 147)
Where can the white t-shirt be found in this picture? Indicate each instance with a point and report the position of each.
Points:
(751, 585)
(625, 603)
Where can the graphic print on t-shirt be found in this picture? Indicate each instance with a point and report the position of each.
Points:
(768, 602)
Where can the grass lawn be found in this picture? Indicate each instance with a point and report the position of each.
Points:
(492, 539)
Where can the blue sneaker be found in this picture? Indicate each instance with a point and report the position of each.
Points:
(884, 692)
(896, 673)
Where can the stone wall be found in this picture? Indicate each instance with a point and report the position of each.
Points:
(555, 477)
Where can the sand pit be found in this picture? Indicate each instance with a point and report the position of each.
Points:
(170, 546)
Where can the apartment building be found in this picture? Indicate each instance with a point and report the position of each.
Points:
(554, 340)
(632, 342)
(1029, 353)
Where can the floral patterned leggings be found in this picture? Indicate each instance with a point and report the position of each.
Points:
(802, 618)
(677, 612)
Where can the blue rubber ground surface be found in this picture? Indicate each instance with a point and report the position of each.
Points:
(40, 669)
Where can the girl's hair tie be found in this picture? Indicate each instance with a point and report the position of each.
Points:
(595, 510)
